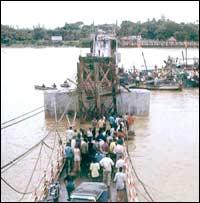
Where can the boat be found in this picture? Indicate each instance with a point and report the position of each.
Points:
(165, 87)
(38, 87)
(65, 84)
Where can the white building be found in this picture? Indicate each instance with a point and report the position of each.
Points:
(56, 38)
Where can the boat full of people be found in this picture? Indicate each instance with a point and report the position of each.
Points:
(43, 87)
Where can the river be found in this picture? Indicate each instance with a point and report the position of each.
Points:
(167, 141)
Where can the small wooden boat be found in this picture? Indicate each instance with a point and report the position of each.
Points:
(38, 87)
(168, 88)
(66, 85)
(163, 87)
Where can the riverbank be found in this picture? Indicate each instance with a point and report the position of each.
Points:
(86, 44)
(77, 46)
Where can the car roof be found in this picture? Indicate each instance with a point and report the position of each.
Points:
(89, 189)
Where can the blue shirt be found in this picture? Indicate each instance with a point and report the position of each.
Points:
(99, 156)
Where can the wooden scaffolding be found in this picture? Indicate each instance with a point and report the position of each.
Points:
(97, 86)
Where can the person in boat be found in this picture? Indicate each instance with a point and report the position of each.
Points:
(43, 85)
(54, 85)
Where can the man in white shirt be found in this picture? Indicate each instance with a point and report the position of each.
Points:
(94, 168)
(70, 134)
(120, 163)
(118, 150)
(107, 164)
(89, 133)
(120, 179)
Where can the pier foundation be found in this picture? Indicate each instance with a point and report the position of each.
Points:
(137, 102)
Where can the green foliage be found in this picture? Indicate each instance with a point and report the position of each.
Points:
(160, 30)
(77, 34)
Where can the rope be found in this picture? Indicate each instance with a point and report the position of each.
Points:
(47, 164)
(161, 193)
(16, 162)
(60, 139)
(36, 163)
(46, 153)
(34, 146)
(21, 115)
(49, 159)
(17, 158)
(143, 185)
(25, 193)
(47, 145)
(22, 120)
(10, 186)
(142, 195)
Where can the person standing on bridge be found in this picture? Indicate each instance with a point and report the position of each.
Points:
(70, 186)
(77, 160)
(107, 164)
(70, 133)
(120, 179)
(131, 120)
(69, 155)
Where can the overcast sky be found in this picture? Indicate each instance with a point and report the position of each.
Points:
(54, 14)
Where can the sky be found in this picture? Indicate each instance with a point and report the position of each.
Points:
(52, 14)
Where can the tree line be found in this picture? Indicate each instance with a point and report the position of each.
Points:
(78, 33)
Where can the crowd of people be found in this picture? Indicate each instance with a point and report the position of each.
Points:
(98, 152)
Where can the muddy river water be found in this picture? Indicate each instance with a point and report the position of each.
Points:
(165, 151)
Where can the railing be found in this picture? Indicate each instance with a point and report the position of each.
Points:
(130, 183)
(49, 176)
